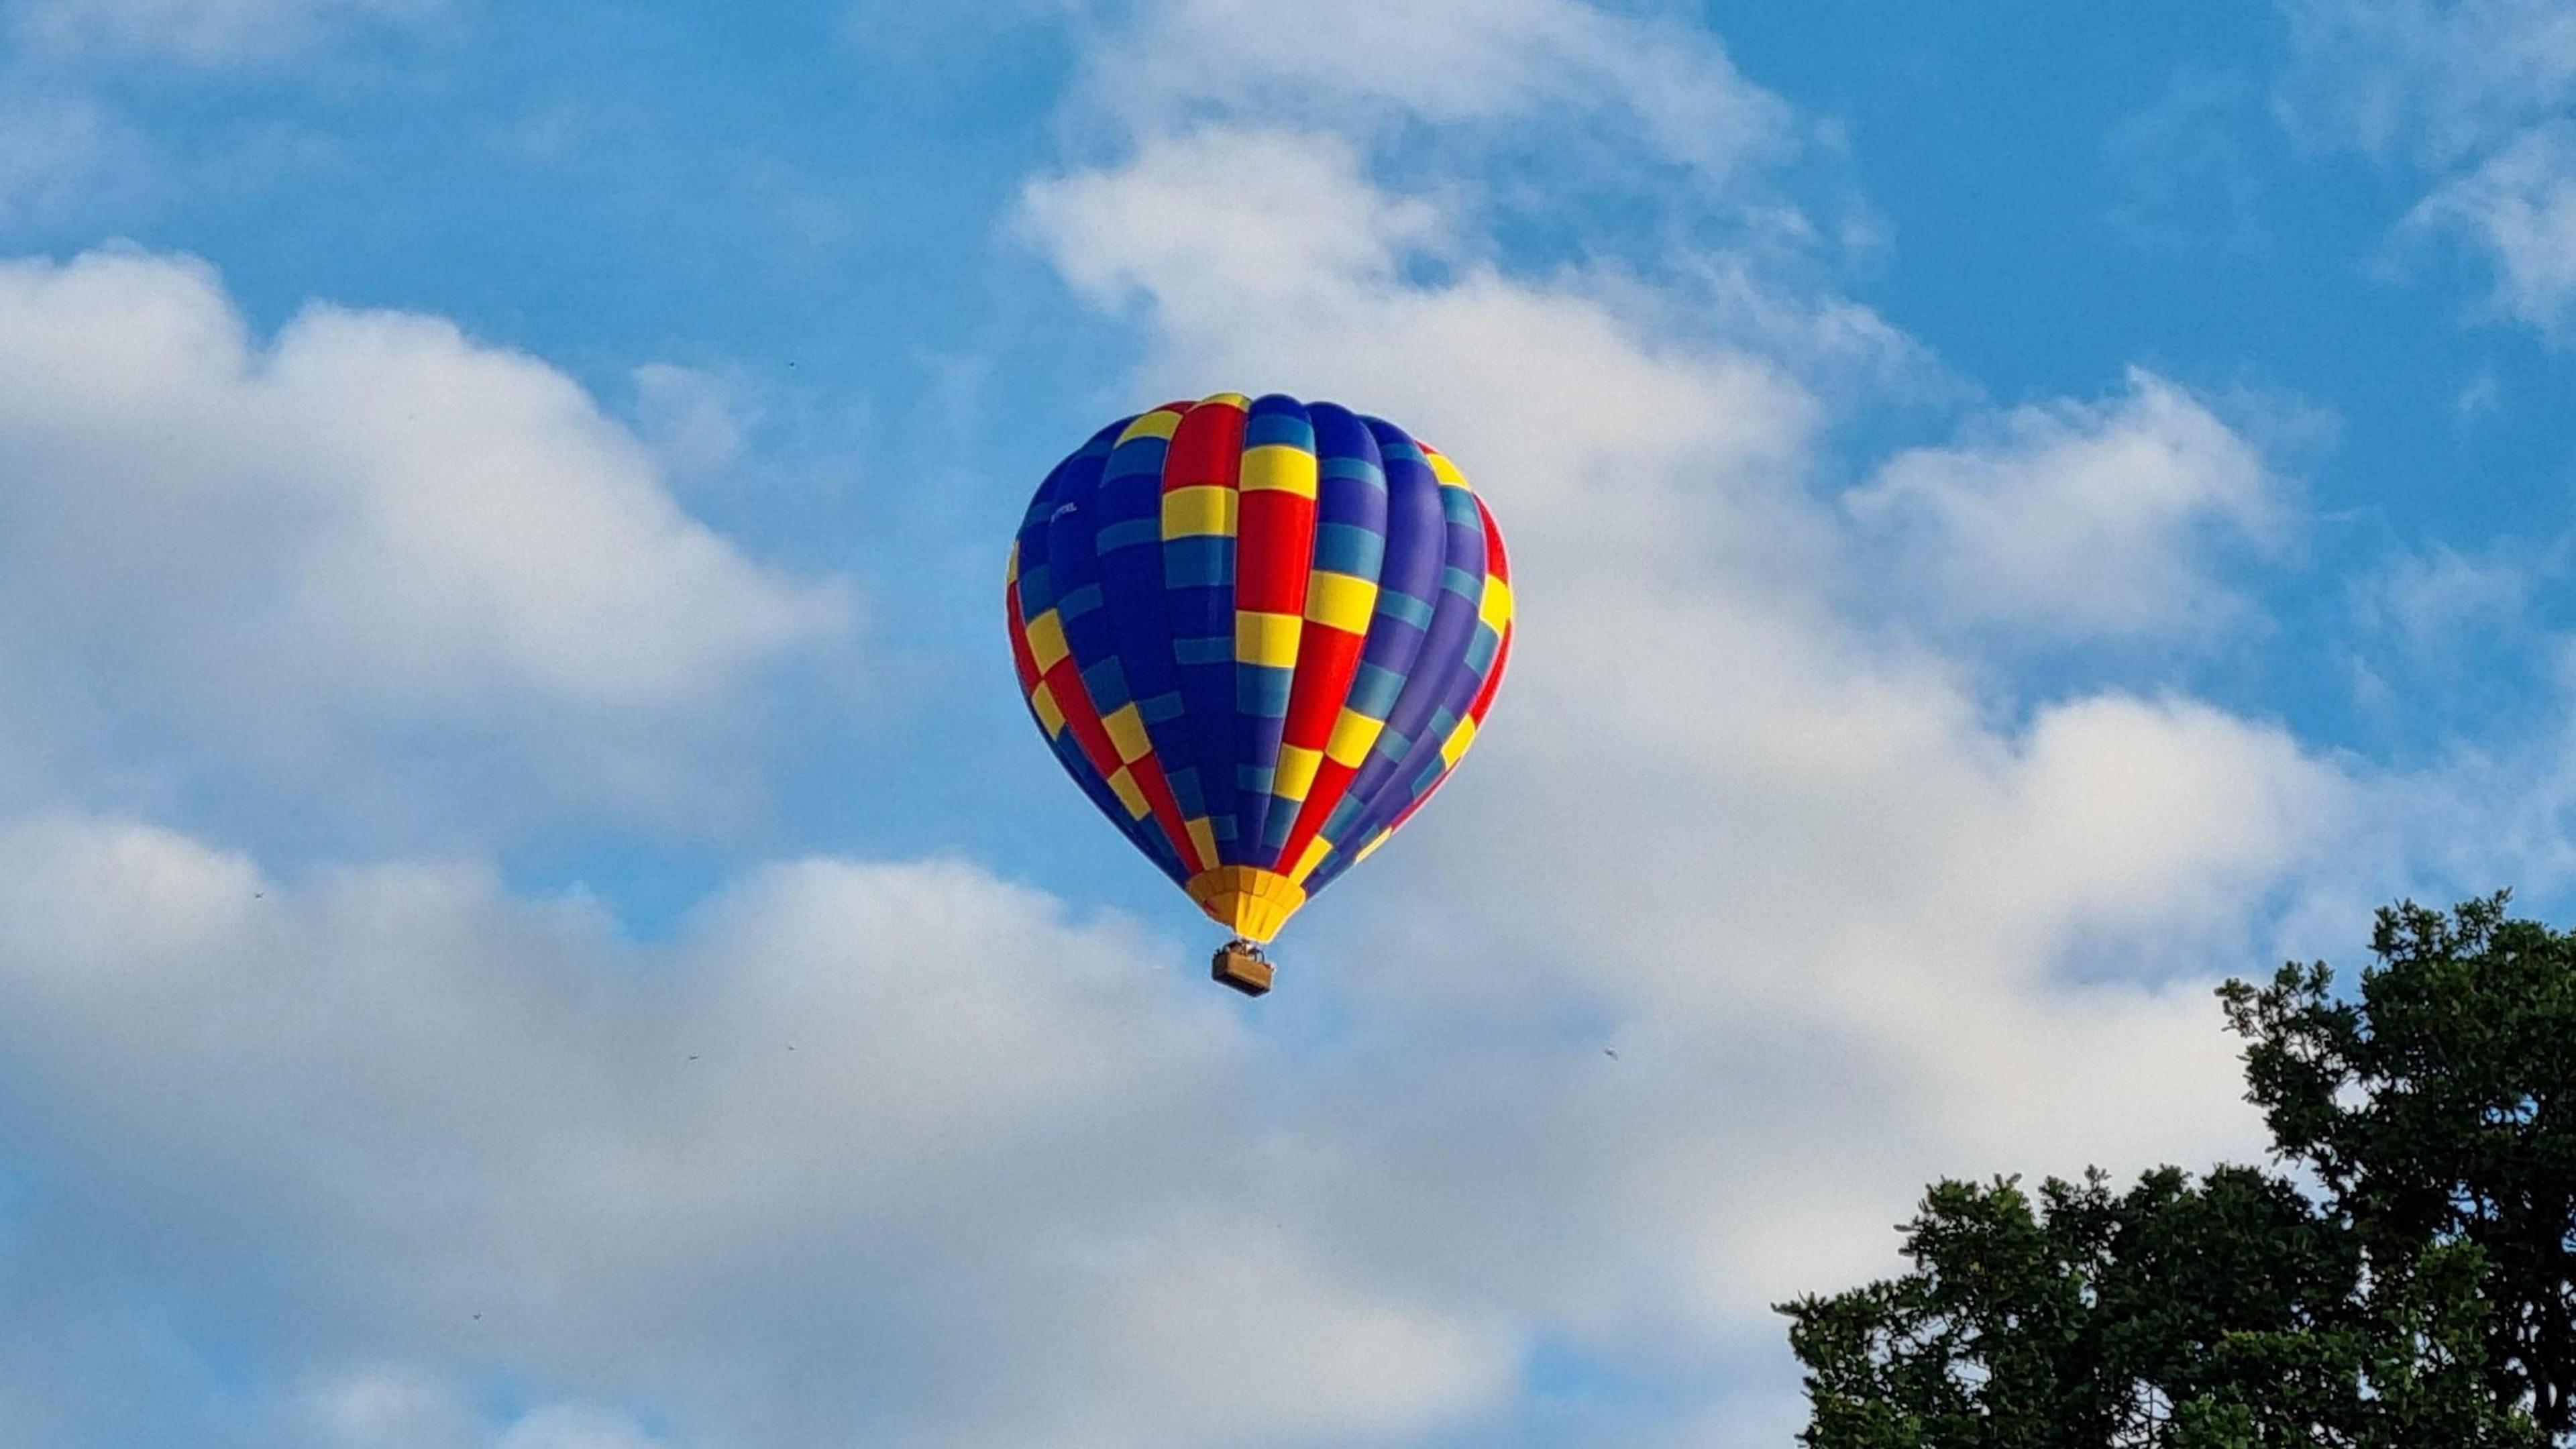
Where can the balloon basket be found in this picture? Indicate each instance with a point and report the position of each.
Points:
(1241, 965)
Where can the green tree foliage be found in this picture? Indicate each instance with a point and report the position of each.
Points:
(2422, 1295)
(2439, 1108)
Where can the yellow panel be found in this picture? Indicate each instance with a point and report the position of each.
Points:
(1050, 713)
(1234, 400)
(1247, 900)
(1127, 731)
(1198, 510)
(1458, 741)
(1296, 772)
(1316, 850)
(1046, 640)
(1495, 608)
(1011, 569)
(1340, 601)
(1371, 848)
(1266, 639)
(1444, 470)
(1202, 836)
(1354, 734)
(1279, 465)
(1124, 786)
(1156, 424)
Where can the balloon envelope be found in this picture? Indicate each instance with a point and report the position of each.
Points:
(1258, 633)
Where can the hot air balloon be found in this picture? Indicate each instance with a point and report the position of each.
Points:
(1258, 634)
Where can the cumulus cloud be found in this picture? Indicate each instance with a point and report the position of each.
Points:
(1843, 931)
(320, 561)
(1171, 63)
(1269, 255)
(208, 33)
(2074, 521)
(900, 1153)
(1014, 1185)
(1469, 121)
(885, 1153)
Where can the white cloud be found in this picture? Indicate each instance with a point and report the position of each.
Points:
(2429, 597)
(895, 1153)
(1823, 912)
(574, 1427)
(1844, 932)
(210, 33)
(321, 562)
(2521, 204)
(62, 154)
(386, 1408)
(874, 1153)
(2483, 96)
(1449, 63)
(694, 420)
(394, 1408)
(1297, 224)
(2437, 80)
(1265, 259)
(1011, 1185)
(67, 154)
(1532, 110)
(2073, 521)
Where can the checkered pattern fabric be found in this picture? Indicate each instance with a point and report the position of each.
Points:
(1259, 634)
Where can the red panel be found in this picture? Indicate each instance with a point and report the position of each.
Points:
(1208, 447)
(1326, 660)
(1274, 550)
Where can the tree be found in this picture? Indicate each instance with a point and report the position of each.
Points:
(2435, 1109)
(2421, 1296)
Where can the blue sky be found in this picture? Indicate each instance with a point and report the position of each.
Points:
(538, 920)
